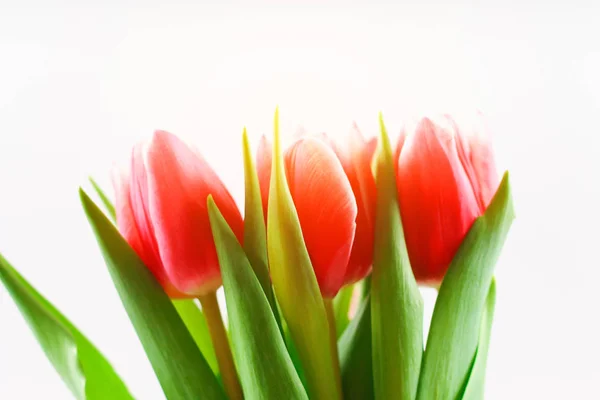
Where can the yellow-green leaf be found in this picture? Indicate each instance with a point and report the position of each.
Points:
(255, 232)
(195, 322)
(296, 286)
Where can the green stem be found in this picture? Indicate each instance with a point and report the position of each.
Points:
(218, 335)
(333, 342)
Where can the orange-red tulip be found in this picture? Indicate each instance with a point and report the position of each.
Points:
(446, 178)
(162, 213)
(323, 184)
(356, 155)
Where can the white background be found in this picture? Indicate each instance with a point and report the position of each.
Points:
(79, 83)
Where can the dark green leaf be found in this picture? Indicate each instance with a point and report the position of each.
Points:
(475, 384)
(456, 321)
(82, 367)
(195, 322)
(396, 303)
(178, 363)
(356, 360)
(265, 367)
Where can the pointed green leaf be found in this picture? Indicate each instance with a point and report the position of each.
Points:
(195, 322)
(396, 304)
(296, 286)
(293, 352)
(265, 368)
(475, 384)
(178, 363)
(108, 205)
(456, 321)
(190, 313)
(255, 233)
(356, 360)
(85, 371)
(341, 307)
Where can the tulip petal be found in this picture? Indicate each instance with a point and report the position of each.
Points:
(138, 200)
(326, 209)
(178, 175)
(437, 203)
(475, 151)
(355, 157)
(128, 227)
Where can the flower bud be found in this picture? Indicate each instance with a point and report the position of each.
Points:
(446, 178)
(162, 213)
(324, 202)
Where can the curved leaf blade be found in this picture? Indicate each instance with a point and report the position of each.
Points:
(455, 325)
(356, 360)
(85, 371)
(265, 367)
(195, 322)
(181, 369)
(396, 303)
(476, 383)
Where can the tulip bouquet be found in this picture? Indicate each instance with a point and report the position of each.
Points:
(321, 277)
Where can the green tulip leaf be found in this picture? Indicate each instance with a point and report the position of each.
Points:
(188, 310)
(456, 321)
(179, 365)
(293, 352)
(341, 308)
(396, 303)
(475, 384)
(356, 360)
(85, 371)
(255, 232)
(265, 368)
(195, 321)
(108, 205)
(296, 286)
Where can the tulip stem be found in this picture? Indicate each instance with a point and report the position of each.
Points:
(218, 335)
(333, 341)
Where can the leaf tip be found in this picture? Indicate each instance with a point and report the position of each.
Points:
(83, 196)
(503, 197)
(210, 202)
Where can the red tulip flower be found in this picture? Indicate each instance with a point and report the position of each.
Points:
(446, 178)
(162, 213)
(355, 156)
(334, 192)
